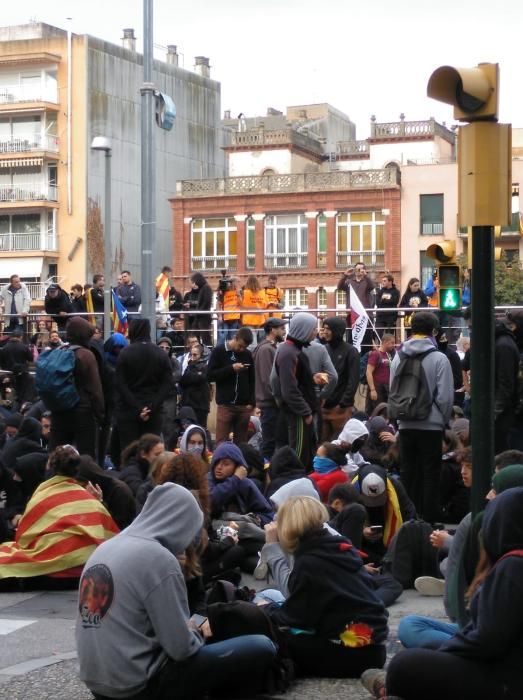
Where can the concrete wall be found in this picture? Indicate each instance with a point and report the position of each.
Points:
(190, 150)
(281, 160)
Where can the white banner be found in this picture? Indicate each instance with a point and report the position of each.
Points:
(359, 319)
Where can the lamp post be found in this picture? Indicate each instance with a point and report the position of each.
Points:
(102, 143)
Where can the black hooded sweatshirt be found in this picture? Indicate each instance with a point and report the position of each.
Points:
(143, 372)
(346, 361)
(494, 635)
(285, 466)
(27, 440)
(54, 305)
(506, 364)
(343, 595)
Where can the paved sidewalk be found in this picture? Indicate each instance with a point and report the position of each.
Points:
(38, 660)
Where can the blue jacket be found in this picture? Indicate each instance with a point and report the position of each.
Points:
(239, 496)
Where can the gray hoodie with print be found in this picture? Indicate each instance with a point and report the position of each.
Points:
(440, 382)
(132, 605)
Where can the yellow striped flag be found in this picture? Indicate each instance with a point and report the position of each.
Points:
(162, 287)
(89, 306)
(61, 527)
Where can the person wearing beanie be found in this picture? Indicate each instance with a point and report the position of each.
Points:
(294, 390)
(79, 426)
(327, 469)
(143, 380)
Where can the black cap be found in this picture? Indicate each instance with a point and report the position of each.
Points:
(52, 287)
(273, 323)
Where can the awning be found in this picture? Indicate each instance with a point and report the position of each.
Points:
(21, 163)
(23, 267)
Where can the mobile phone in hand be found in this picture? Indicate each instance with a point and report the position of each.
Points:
(198, 620)
(376, 529)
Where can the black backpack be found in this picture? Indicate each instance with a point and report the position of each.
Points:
(410, 397)
(410, 554)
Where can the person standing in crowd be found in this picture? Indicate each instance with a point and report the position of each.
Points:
(196, 391)
(201, 323)
(129, 292)
(79, 426)
(275, 296)
(253, 299)
(16, 301)
(338, 406)
(228, 300)
(413, 297)
(143, 381)
(58, 305)
(77, 299)
(378, 373)
(357, 278)
(387, 297)
(231, 366)
(177, 335)
(94, 299)
(264, 352)
(162, 287)
(455, 363)
(421, 440)
(14, 353)
(293, 386)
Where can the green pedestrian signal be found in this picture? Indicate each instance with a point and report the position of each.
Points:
(450, 299)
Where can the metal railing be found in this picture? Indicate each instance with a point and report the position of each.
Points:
(218, 262)
(282, 260)
(369, 257)
(29, 192)
(30, 142)
(38, 240)
(10, 94)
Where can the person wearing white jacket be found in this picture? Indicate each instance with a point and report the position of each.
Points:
(16, 301)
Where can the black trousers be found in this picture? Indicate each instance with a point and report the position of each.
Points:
(420, 467)
(432, 675)
(319, 657)
(131, 428)
(77, 427)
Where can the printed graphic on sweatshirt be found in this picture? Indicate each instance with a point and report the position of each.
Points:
(96, 595)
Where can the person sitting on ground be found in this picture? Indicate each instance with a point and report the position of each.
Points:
(194, 441)
(133, 610)
(255, 465)
(27, 440)
(348, 514)
(351, 440)
(117, 497)
(327, 468)
(29, 472)
(379, 441)
(137, 459)
(61, 526)
(454, 493)
(285, 466)
(12, 504)
(345, 630)
(485, 659)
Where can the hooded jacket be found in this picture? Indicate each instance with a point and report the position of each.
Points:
(143, 372)
(132, 602)
(234, 494)
(346, 361)
(196, 391)
(86, 372)
(353, 430)
(506, 368)
(27, 440)
(440, 383)
(194, 428)
(285, 467)
(31, 470)
(55, 304)
(263, 356)
(291, 378)
(494, 634)
(117, 496)
(204, 292)
(345, 607)
(15, 353)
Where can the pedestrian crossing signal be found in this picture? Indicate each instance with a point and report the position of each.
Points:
(450, 299)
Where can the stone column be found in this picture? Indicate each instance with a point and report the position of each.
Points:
(241, 243)
(259, 243)
(331, 239)
(187, 246)
(312, 239)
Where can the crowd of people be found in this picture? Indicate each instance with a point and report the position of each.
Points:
(112, 482)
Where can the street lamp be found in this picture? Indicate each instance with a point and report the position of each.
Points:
(102, 143)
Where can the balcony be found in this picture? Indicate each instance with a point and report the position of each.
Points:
(219, 262)
(402, 130)
(372, 258)
(269, 138)
(30, 143)
(285, 260)
(40, 240)
(12, 94)
(432, 228)
(29, 192)
(300, 182)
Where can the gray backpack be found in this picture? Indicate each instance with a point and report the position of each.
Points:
(410, 397)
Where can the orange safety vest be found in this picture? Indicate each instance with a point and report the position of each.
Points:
(274, 296)
(231, 302)
(254, 300)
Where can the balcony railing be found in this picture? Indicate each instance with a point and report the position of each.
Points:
(29, 192)
(299, 182)
(435, 228)
(31, 142)
(403, 129)
(291, 260)
(40, 240)
(220, 262)
(275, 137)
(10, 94)
(373, 258)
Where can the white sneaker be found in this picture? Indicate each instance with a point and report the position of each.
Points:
(262, 569)
(428, 585)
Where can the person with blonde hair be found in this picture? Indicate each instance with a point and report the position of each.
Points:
(344, 632)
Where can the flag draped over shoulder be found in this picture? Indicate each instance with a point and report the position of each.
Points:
(162, 287)
(61, 527)
(90, 308)
(359, 319)
(119, 314)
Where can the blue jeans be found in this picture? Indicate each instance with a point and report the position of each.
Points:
(419, 631)
(235, 665)
(269, 595)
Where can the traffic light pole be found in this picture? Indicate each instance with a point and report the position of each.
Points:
(482, 363)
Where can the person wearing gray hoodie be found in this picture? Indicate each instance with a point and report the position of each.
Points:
(294, 389)
(421, 440)
(133, 633)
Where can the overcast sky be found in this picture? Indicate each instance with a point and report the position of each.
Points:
(364, 57)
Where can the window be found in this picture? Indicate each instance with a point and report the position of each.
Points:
(213, 244)
(515, 224)
(250, 229)
(285, 240)
(321, 235)
(296, 297)
(21, 231)
(431, 214)
(427, 267)
(341, 299)
(360, 238)
(322, 297)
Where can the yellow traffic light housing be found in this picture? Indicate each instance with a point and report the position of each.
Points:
(443, 252)
(473, 92)
(449, 290)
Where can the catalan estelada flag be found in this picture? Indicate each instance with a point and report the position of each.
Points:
(119, 313)
(162, 287)
(61, 527)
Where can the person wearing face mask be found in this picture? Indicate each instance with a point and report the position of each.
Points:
(194, 441)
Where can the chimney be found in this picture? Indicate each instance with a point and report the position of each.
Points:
(129, 40)
(172, 56)
(202, 67)
(227, 114)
